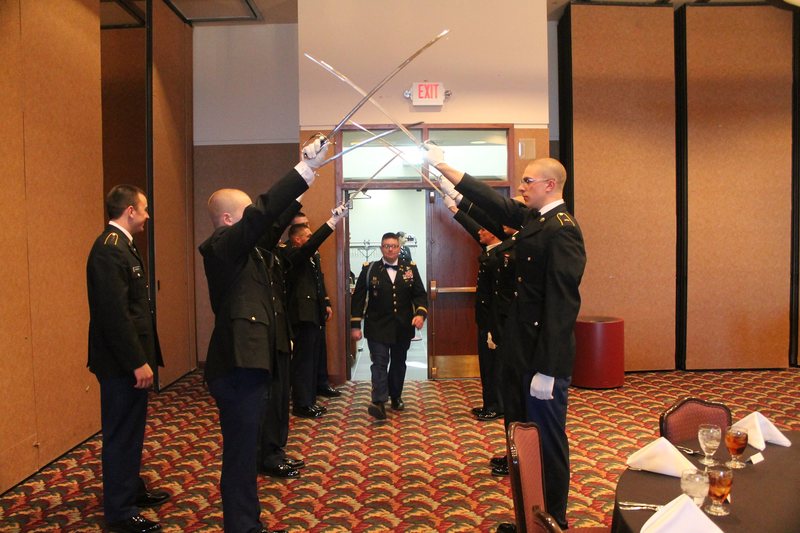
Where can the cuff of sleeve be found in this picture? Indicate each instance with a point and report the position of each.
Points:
(421, 311)
(305, 171)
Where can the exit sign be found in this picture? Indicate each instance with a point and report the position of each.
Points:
(427, 93)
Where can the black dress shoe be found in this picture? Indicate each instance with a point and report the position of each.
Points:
(328, 392)
(305, 411)
(152, 499)
(398, 404)
(135, 524)
(265, 530)
(294, 463)
(477, 410)
(377, 410)
(321, 409)
(488, 415)
(505, 527)
(500, 470)
(500, 460)
(282, 471)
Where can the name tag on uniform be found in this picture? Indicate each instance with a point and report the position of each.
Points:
(137, 271)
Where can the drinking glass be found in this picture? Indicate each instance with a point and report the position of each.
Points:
(720, 480)
(709, 436)
(694, 484)
(736, 442)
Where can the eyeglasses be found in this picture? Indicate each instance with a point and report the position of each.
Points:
(389, 246)
(531, 181)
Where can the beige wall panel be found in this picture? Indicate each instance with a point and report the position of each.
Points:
(739, 140)
(64, 181)
(252, 168)
(624, 146)
(188, 90)
(541, 142)
(18, 425)
(171, 188)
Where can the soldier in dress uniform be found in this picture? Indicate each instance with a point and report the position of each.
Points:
(123, 351)
(391, 299)
(551, 258)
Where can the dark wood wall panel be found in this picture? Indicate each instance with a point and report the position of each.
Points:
(252, 168)
(64, 180)
(18, 455)
(624, 172)
(172, 184)
(739, 83)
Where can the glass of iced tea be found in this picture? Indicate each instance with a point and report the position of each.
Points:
(736, 442)
(720, 480)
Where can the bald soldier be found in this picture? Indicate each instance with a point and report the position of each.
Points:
(540, 345)
(245, 340)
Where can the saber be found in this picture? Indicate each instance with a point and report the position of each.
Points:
(397, 152)
(364, 186)
(362, 92)
(383, 82)
(362, 143)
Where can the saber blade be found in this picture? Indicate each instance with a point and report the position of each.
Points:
(362, 92)
(384, 81)
(362, 143)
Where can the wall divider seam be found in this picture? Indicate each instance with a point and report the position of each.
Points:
(566, 148)
(794, 296)
(681, 189)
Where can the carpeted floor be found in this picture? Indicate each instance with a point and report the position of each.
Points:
(424, 469)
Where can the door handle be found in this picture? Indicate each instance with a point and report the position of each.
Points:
(435, 289)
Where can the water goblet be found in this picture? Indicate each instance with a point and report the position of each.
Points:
(709, 435)
(694, 483)
(736, 442)
(720, 480)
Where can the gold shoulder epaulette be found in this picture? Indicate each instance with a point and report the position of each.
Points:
(112, 239)
(563, 218)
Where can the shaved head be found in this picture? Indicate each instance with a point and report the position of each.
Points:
(548, 168)
(543, 182)
(226, 206)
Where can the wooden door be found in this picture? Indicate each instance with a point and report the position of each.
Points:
(452, 271)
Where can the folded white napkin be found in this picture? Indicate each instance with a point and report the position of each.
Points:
(662, 457)
(681, 514)
(760, 429)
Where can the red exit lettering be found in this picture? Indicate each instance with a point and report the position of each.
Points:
(428, 90)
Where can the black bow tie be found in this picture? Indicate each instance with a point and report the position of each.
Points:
(387, 265)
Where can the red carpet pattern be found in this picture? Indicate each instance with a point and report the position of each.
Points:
(424, 469)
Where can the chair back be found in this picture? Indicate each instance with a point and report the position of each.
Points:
(679, 423)
(525, 468)
(543, 522)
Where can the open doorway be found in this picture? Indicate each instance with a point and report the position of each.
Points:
(374, 213)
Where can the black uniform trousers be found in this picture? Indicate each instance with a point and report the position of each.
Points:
(393, 356)
(488, 368)
(275, 416)
(305, 361)
(322, 364)
(239, 394)
(123, 412)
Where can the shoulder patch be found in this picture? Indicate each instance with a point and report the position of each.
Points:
(563, 218)
(111, 239)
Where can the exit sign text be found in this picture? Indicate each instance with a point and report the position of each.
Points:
(427, 93)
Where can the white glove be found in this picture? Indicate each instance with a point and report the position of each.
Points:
(542, 386)
(338, 213)
(315, 151)
(433, 154)
(489, 342)
(448, 188)
(449, 203)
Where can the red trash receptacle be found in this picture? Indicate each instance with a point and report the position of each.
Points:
(599, 352)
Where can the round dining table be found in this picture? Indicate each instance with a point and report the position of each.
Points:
(764, 496)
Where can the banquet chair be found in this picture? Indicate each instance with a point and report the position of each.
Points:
(679, 423)
(544, 523)
(525, 468)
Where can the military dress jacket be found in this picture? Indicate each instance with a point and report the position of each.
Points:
(307, 297)
(122, 330)
(243, 291)
(550, 260)
(387, 308)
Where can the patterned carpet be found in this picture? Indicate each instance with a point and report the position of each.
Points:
(422, 470)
